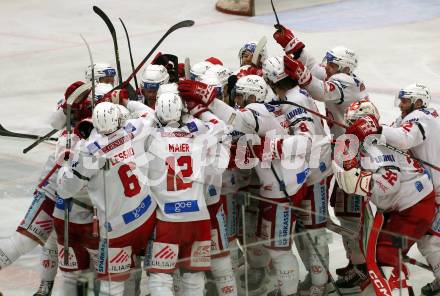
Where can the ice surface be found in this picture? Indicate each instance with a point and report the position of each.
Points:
(41, 53)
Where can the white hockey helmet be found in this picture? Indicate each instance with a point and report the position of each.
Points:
(100, 90)
(415, 92)
(106, 118)
(101, 70)
(222, 73)
(273, 69)
(154, 76)
(168, 108)
(251, 46)
(124, 114)
(168, 88)
(198, 69)
(252, 85)
(360, 109)
(343, 57)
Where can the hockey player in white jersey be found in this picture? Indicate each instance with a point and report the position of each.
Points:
(416, 130)
(152, 78)
(334, 83)
(113, 166)
(267, 121)
(180, 153)
(313, 218)
(396, 184)
(103, 73)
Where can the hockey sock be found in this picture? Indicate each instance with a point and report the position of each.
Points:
(49, 259)
(221, 269)
(112, 288)
(318, 272)
(352, 247)
(193, 283)
(160, 284)
(429, 246)
(13, 247)
(287, 268)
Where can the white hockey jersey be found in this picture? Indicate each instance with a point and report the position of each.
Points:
(269, 121)
(417, 132)
(397, 183)
(320, 156)
(183, 160)
(114, 168)
(337, 91)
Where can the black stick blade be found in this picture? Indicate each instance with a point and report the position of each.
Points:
(105, 18)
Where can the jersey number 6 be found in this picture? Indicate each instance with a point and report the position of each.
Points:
(129, 181)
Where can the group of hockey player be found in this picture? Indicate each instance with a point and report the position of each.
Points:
(209, 173)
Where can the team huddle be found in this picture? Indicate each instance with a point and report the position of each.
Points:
(207, 178)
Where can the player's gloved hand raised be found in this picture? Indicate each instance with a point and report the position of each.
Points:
(118, 96)
(273, 150)
(284, 37)
(195, 109)
(296, 70)
(197, 91)
(363, 127)
(353, 181)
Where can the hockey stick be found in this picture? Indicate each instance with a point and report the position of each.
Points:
(77, 95)
(92, 65)
(41, 139)
(182, 24)
(129, 51)
(110, 26)
(380, 284)
(406, 154)
(187, 69)
(8, 133)
(417, 263)
(258, 50)
(276, 15)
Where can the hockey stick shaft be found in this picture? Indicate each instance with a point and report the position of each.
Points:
(130, 52)
(92, 65)
(182, 24)
(8, 133)
(39, 140)
(275, 13)
(345, 126)
(110, 26)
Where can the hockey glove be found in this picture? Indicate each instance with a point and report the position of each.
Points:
(365, 126)
(288, 41)
(119, 96)
(268, 152)
(195, 109)
(353, 181)
(84, 128)
(197, 91)
(296, 70)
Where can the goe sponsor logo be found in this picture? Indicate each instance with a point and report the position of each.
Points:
(184, 206)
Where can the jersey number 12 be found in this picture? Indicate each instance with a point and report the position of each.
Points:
(175, 180)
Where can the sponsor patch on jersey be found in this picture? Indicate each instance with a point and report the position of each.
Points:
(269, 107)
(93, 147)
(119, 259)
(163, 256)
(211, 190)
(117, 143)
(72, 262)
(295, 112)
(183, 206)
(129, 127)
(419, 186)
(282, 226)
(192, 127)
(201, 254)
(102, 256)
(384, 158)
(322, 167)
(302, 176)
(138, 211)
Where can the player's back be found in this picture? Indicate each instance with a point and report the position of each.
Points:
(121, 190)
(177, 174)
